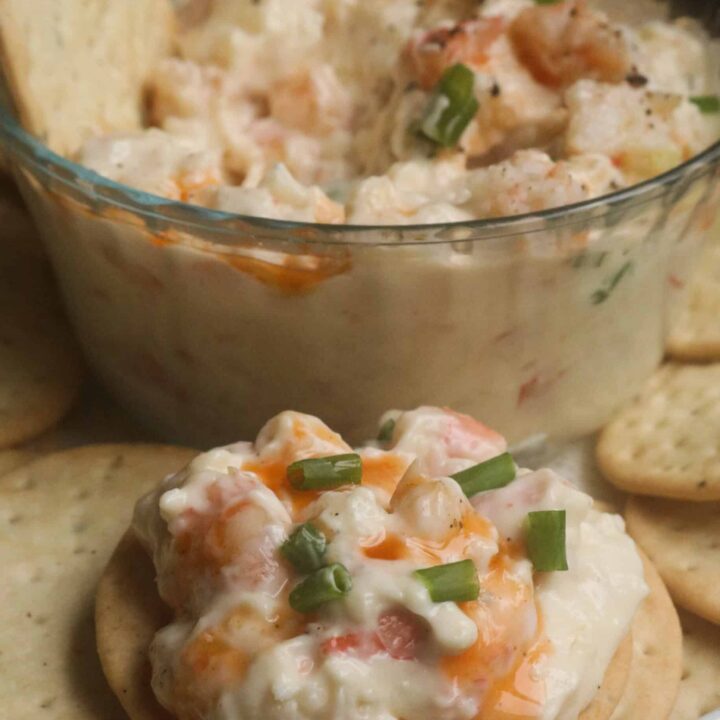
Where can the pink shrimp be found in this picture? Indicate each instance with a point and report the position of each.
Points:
(232, 543)
(467, 42)
(468, 437)
(564, 42)
(399, 634)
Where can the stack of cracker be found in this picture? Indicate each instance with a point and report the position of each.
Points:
(664, 449)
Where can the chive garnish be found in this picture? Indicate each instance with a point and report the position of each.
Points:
(325, 473)
(324, 585)
(601, 295)
(708, 104)
(494, 473)
(451, 107)
(454, 582)
(305, 548)
(545, 540)
(386, 431)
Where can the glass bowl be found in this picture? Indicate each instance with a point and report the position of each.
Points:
(204, 324)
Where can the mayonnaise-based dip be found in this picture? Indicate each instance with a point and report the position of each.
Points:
(529, 644)
(348, 111)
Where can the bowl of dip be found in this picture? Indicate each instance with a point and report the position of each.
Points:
(217, 276)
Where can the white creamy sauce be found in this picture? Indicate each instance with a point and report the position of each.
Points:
(305, 110)
(377, 653)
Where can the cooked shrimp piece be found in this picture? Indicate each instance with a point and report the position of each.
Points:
(315, 102)
(399, 634)
(444, 441)
(564, 42)
(237, 530)
(527, 182)
(432, 507)
(467, 42)
(193, 666)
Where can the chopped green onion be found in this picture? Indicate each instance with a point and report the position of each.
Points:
(451, 107)
(386, 431)
(601, 295)
(325, 473)
(323, 586)
(546, 540)
(452, 582)
(305, 548)
(494, 473)
(708, 104)
(546, 2)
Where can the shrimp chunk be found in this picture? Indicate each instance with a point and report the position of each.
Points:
(434, 508)
(565, 42)
(467, 42)
(442, 441)
(314, 102)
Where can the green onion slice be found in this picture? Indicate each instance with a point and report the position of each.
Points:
(325, 585)
(386, 431)
(451, 107)
(708, 104)
(545, 540)
(455, 582)
(305, 548)
(494, 473)
(325, 473)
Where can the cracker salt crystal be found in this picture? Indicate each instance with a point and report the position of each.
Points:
(665, 442)
(696, 333)
(76, 68)
(60, 518)
(700, 685)
(683, 540)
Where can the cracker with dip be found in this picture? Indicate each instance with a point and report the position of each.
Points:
(381, 537)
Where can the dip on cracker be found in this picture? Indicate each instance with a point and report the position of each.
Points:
(422, 576)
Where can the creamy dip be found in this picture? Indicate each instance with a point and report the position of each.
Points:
(529, 645)
(326, 110)
(206, 328)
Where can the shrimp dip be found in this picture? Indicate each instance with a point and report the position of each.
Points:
(205, 324)
(405, 112)
(419, 577)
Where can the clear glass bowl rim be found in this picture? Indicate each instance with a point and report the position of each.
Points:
(228, 229)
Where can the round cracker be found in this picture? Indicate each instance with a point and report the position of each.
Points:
(40, 364)
(696, 333)
(60, 517)
(700, 685)
(654, 678)
(664, 443)
(613, 685)
(11, 459)
(683, 540)
(128, 613)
